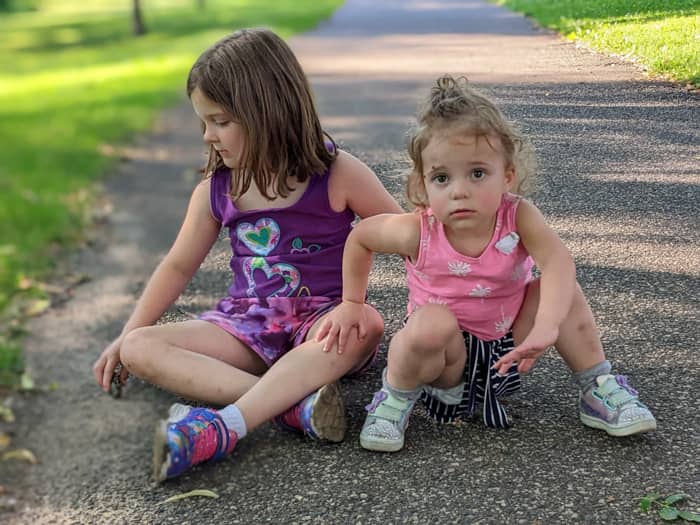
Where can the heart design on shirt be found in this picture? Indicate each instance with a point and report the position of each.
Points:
(287, 275)
(260, 238)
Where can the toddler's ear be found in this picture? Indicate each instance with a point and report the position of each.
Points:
(510, 177)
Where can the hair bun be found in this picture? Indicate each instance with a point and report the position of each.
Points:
(447, 96)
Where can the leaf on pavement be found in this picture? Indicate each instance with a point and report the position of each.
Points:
(6, 414)
(36, 307)
(675, 498)
(193, 493)
(21, 453)
(4, 442)
(689, 516)
(646, 501)
(668, 513)
(26, 382)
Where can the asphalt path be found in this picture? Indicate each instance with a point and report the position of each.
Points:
(619, 182)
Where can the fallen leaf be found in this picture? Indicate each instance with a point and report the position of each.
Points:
(6, 414)
(20, 453)
(4, 443)
(36, 307)
(193, 493)
(25, 283)
(26, 382)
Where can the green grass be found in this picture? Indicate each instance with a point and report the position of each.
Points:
(661, 35)
(73, 79)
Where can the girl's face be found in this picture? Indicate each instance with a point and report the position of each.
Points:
(465, 178)
(219, 130)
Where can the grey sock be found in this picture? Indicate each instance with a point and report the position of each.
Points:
(233, 419)
(586, 378)
(406, 395)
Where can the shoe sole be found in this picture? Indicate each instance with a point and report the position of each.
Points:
(328, 414)
(380, 445)
(160, 451)
(629, 430)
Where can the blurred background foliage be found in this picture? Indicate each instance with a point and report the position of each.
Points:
(75, 81)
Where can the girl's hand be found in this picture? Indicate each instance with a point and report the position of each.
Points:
(530, 350)
(338, 324)
(103, 369)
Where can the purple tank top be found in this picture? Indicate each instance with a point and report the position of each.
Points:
(284, 252)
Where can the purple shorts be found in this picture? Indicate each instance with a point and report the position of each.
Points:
(272, 326)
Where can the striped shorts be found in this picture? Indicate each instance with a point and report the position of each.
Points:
(483, 386)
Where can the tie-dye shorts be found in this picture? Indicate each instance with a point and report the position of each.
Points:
(272, 326)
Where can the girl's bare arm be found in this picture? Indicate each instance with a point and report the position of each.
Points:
(353, 185)
(558, 280)
(197, 234)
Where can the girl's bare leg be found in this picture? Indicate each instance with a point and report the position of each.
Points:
(195, 359)
(579, 341)
(305, 369)
(429, 350)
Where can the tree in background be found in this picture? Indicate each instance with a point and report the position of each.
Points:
(139, 26)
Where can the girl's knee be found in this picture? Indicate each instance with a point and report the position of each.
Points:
(430, 328)
(134, 353)
(374, 326)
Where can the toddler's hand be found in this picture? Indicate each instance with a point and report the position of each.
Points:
(529, 351)
(337, 326)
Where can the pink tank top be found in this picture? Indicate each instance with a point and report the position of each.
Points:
(485, 293)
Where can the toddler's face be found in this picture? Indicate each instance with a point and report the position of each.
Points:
(465, 178)
(219, 130)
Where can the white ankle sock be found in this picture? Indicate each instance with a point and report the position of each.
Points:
(233, 419)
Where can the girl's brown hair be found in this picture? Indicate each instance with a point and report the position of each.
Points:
(255, 77)
(453, 106)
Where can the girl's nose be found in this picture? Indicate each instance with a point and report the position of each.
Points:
(460, 189)
(208, 136)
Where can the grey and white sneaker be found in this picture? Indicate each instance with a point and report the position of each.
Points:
(386, 422)
(612, 405)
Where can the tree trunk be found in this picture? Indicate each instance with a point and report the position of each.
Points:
(139, 27)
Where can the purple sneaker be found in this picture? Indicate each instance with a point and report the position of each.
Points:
(321, 415)
(612, 405)
(189, 436)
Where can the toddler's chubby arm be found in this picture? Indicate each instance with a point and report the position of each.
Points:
(557, 285)
(197, 234)
(386, 233)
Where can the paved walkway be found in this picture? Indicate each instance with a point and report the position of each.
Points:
(619, 157)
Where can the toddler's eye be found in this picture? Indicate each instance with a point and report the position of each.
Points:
(222, 123)
(478, 174)
(439, 178)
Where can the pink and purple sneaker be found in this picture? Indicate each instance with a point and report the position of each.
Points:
(321, 415)
(189, 436)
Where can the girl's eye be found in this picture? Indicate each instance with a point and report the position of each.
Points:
(221, 123)
(478, 174)
(439, 178)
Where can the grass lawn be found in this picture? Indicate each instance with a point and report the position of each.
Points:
(72, 79)
(661, 35)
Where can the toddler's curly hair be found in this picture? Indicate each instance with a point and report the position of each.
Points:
(454, 106)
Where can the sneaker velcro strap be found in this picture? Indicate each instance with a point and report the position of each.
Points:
(386, 406)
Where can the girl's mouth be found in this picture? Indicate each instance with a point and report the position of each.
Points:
(462, 213)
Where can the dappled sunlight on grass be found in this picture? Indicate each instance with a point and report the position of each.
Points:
(661, 35)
